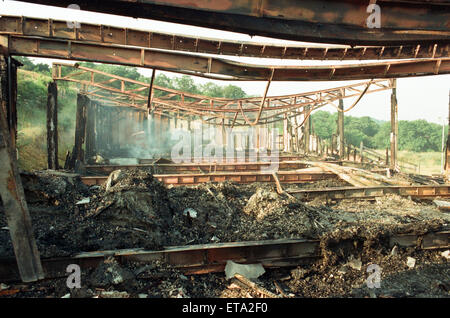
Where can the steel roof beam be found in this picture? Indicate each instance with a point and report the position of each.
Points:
(218, 68)
(325, 21)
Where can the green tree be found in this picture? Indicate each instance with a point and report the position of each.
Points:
(232, 91)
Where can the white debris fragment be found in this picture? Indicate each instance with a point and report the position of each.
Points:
(143, 296)
(411, 262)
(5, 228)
(3, 286)
(251, 271)
(113, 294)
(84, 201)
(190, 212)
(215, 239)
(66, 296)
(446, 254)
(355, 263)
(394, 251)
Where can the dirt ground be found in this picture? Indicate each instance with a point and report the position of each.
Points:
(134, 210)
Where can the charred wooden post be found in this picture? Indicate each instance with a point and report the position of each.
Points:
(307, 129)
(361, 147)
(80, 130)
(52, 126)
(394, 126)
(332, 144)
(11, 189)
(91, 111)
(447, 147)
(387, 157)
(341, 129)
(286, 142)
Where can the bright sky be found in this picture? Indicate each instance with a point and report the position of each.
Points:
(418, 97)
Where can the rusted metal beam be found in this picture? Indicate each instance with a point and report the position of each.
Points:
(421, 192)
(219, 68)
(239, 177)
(201, 105)
(198, 167)
(105, 34)
(208, 258)
(326, 21)
(252, 158)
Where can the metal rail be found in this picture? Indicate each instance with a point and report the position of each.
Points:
(239, 177)
(220, 69)
(325, 21)
(422, 192)
(207, 258)
(198, 167)
(106, 34)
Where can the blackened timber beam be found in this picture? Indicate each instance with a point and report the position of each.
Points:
(52, 126)
(325, 21)
(13, 197)
(219, 68)
(80, 130)
(105, 34)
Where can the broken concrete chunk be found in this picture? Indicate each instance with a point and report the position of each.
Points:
(410, 262)
(250, 271)
(190, 212)
(446, 254)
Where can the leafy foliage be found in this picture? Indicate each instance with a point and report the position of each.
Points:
(417, 135)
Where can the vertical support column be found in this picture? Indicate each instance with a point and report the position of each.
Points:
(80, 130)
(285, 134)
(90, 131)
(341, 128)
(52, 126)
(394, 125)
(447, 147)
(11, 190)
(11, 112)
(307, 129)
